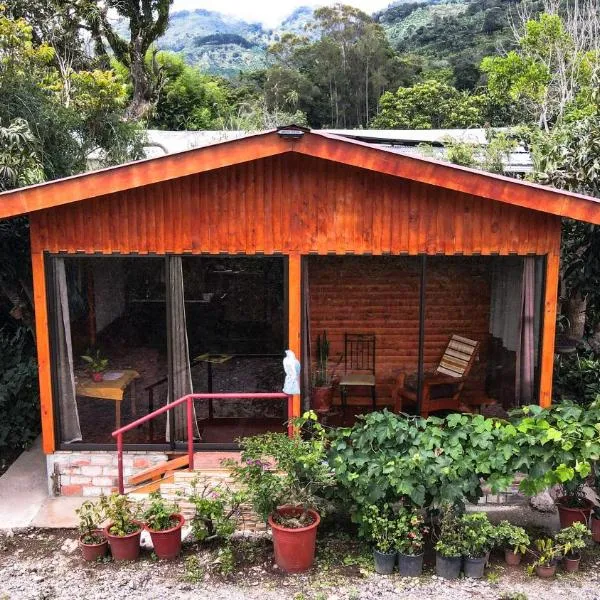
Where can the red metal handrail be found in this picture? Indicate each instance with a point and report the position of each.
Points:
(189, 399)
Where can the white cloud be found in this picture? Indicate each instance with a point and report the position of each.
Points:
(269, 12)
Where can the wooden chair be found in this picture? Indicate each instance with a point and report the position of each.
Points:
(359, 366)
(442, 388)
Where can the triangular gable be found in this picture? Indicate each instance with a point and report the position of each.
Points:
(311, 143)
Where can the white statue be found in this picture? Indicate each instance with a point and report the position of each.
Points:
(291, 366)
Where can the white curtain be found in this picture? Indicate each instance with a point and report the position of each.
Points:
(182, 372)
(526, 348)
(67, 403)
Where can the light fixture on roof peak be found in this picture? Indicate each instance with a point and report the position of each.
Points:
(291, 133)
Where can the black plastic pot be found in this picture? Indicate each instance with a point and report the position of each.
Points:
(384, 562)
(447, 567)
(474, 567)
(409, 565)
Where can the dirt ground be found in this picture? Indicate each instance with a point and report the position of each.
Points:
(46, 564)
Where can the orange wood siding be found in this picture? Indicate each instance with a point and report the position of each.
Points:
(293, 203)
(380, 295)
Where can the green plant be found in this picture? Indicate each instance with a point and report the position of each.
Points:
(122, 513)
(278, 470)
(577, 377)
(572, 539)
(322, 376)
(225, 560)
(380, 526)
(511, 536)
(216, 510)
(411, 532)
(478, 534)
(513, 596)
(194, 570)
(450, 541)
(95, 362)
(546, 553)
(91, 515)
(159, 513)
(573, 494)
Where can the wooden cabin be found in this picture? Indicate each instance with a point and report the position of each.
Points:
(196, 271)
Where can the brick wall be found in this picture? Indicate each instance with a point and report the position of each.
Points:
(380, 295)
(91, 473)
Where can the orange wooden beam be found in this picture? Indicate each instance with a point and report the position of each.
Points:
(295, 315)
(549, 329)
(43, 351)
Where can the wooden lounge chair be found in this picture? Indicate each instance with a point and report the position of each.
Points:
(442, 388)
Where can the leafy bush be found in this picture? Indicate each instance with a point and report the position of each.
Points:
(478, 534)
(572, 539)
(122, 513)
(511, 536)
(91, 514)
(450, 543)
(577, 378)
(411, 532)
(277, 470)
(380, 526)
(19, 395)
(159, 513)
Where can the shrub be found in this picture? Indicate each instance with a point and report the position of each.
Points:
(159, 513)
(572, 539)
(91, 514)
(411, 532)
(478, 534)
(19, 394)
(510, 536)
(122, 513)
(577, 378)
(380, 526)
(450, 542)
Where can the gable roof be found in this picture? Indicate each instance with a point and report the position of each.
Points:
(316, 144)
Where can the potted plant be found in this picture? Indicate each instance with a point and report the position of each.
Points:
(449, 547)
(478, 536)
(123, 530)
(164, 522)
(322, 380)
(285, 479)
(380, 526)
(514, 541)
(96, 365)
(92, 541)
(572, 541)
(411, 532)
(595, 524)
(546, 553)
(573, 506)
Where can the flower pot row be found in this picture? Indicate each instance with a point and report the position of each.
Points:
(450, 567)
(166, 542)
(408, 565)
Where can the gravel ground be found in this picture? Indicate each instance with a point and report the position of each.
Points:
(44, 565)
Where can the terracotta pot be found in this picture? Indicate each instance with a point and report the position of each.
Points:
(124, 547)
(294, 548)
(511, 558)
(571, 565)
(568, 515)
(545, 571)
(97, 377)
(93, 552)
(167, 543)
(595, 526)
(322, 397)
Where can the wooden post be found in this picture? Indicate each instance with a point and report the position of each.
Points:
(295, 315)
(549, 329)
(43, 351)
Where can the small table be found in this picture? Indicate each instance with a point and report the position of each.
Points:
(211, 359)
(113, 388)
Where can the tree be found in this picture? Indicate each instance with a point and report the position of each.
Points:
(427, 105)
(147, 21)
(548, 73)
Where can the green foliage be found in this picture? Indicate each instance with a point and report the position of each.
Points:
(91, 514)
(95, 361)
(379, 525)
(430, 104)
(19, 395)
(573, 539)
(216, 510)
(491, 157)
(20, 162)
(450, 543)
(511, 536)
(122, 512)
(278, 470)
(577, 378)
(322, 375)
(478, 534)
(411, 532)
(546, 553)
(158, 515)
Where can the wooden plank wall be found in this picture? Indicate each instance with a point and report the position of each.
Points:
(293, 204)
(380, 295)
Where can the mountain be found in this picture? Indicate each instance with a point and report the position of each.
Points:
(225, 45)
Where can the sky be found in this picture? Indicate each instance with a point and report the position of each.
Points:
(269, 12)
